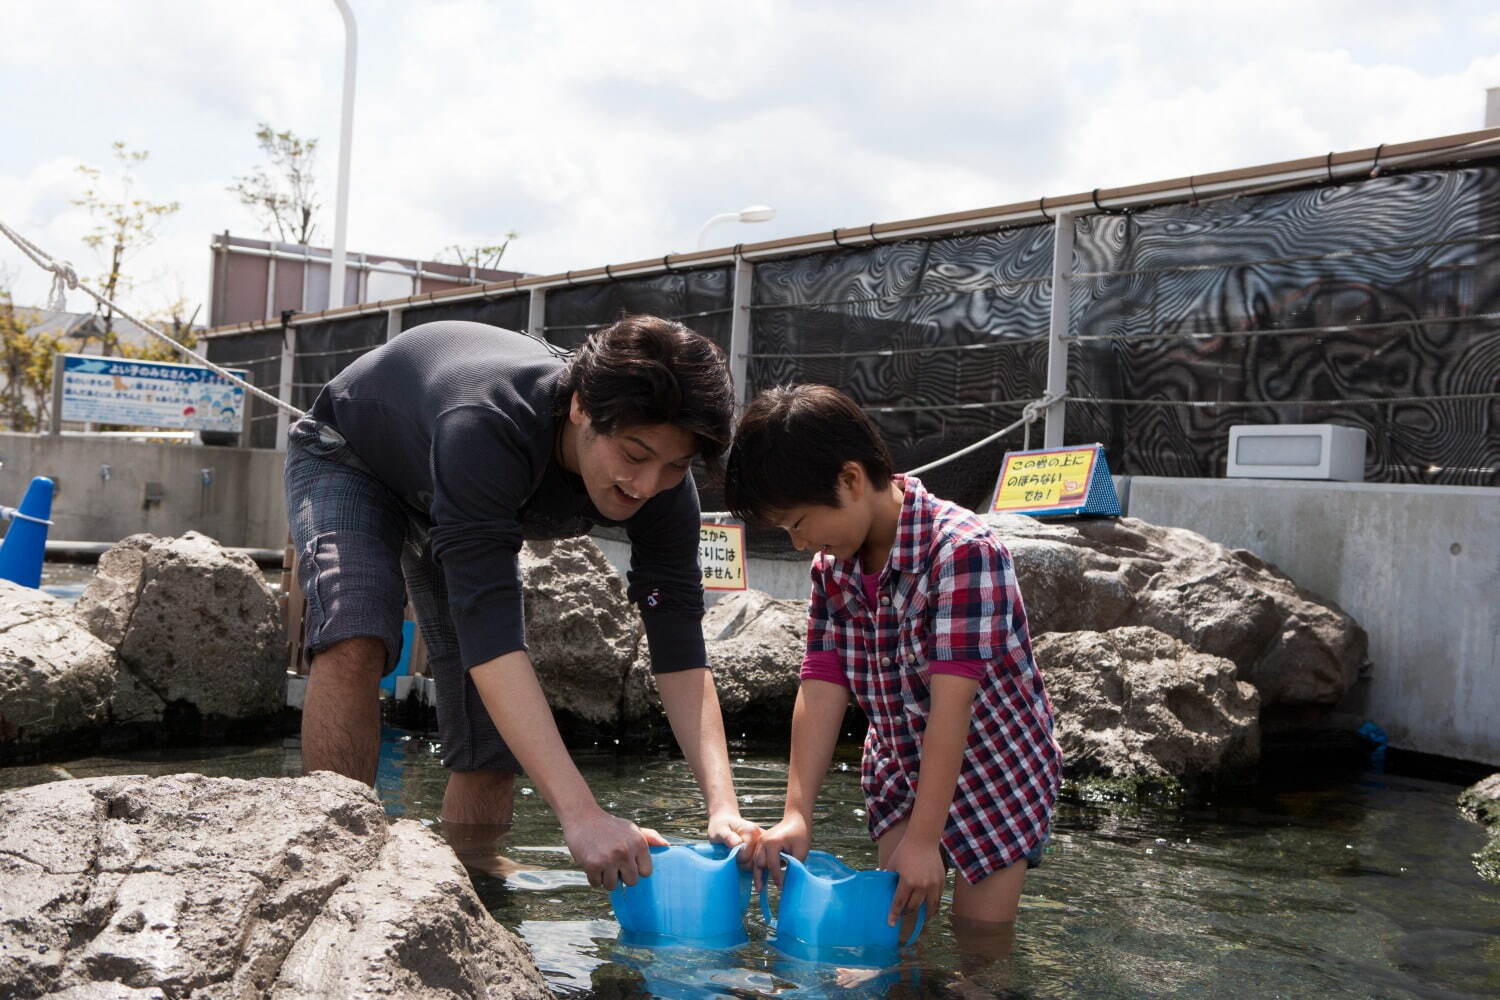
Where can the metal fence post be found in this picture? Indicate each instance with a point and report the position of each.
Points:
(740, 333)
(536, 318)
(1057, 332)
(393, 323)
(58, 365)
(284, 382)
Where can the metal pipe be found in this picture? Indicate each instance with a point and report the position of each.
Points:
(741, 346)
(1057, 332)
(346, 136)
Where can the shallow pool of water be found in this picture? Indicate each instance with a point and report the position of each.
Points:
(1332, 885)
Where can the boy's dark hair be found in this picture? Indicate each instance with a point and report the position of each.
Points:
(647, 370)
(791, 444)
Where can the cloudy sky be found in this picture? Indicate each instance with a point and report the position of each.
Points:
(607, 132)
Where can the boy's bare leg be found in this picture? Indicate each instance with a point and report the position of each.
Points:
(994, 900)
(984, 928)
(341, 710)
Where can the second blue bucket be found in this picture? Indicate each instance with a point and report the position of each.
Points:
(695, 892)
(826, 905)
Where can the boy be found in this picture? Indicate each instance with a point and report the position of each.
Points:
(914, 612)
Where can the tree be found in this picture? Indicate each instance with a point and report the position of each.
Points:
(286, 198)
(176, 323)
(25, 367)
(123, 225)
(479, 256)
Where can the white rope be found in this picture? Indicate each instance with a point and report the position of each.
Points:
(11, 514)
(1032, 412)
(64, 277)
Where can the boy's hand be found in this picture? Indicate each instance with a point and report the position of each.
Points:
(610, 850)
(919, 863)
(731, 829)
(790, 835)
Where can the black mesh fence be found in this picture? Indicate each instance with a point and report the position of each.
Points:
(259, 353)
(701, 299)
(509, 312)
(1290, 306)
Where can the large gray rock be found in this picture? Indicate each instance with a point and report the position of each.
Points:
(755, 645)
(1296, 648)
(219, 888)
(1137, 703)
(1481, 803)
(193, 623)
(581, 630)
(56, 679)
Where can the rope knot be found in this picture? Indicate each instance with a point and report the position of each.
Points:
(64, 278)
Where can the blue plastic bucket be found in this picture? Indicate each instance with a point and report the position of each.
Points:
(827, 906)
(695, 892)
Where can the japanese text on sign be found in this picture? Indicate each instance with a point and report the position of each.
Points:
(1039, 480)
(721, 555)
(149, 394)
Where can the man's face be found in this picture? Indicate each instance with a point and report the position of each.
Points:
(621, 471)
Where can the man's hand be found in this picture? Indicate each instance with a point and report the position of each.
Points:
(919, 864)
(731, 829)
(610, 850)
(790, 835)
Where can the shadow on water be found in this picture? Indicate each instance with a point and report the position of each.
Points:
(1309, 883)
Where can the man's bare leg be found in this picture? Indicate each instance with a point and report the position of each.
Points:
(341, 712)
(477, 811)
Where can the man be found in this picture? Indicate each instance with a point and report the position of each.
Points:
(421, 468)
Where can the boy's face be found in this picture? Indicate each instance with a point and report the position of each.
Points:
(839, 531)
(621, 471)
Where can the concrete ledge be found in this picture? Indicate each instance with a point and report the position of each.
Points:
(1417, 566)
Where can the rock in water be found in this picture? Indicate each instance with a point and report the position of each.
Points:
(581, 630)
(1098, 574)
(56, 680)
(1481, 803)
(194, 625)
(755, 646)
(1137, 703)
(217, 887)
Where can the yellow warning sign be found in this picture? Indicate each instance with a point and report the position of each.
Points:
(1044, 480)
(721, 555)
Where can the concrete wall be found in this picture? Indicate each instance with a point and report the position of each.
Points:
(1417, 566)
(241, 506)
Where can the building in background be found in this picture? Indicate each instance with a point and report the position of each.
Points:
(253, 280)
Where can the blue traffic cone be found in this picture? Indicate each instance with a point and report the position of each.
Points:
(25, 544)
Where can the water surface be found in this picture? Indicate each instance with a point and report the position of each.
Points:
(1330, 884)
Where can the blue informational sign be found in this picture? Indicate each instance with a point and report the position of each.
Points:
(150, 394)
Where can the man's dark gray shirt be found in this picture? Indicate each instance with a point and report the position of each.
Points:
(460, 421)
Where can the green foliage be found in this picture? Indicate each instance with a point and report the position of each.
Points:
(123, 225)
(284, 198)
(25, 367)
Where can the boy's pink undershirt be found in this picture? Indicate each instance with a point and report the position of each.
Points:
(823, 665)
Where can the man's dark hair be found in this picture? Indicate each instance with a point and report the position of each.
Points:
(647, 370)
(791, 444)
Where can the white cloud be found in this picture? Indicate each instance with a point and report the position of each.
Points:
(609, 132)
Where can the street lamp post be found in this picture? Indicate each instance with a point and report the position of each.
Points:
(752, 213)
(346, 130)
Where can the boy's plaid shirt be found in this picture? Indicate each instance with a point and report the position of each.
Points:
(948, 592)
